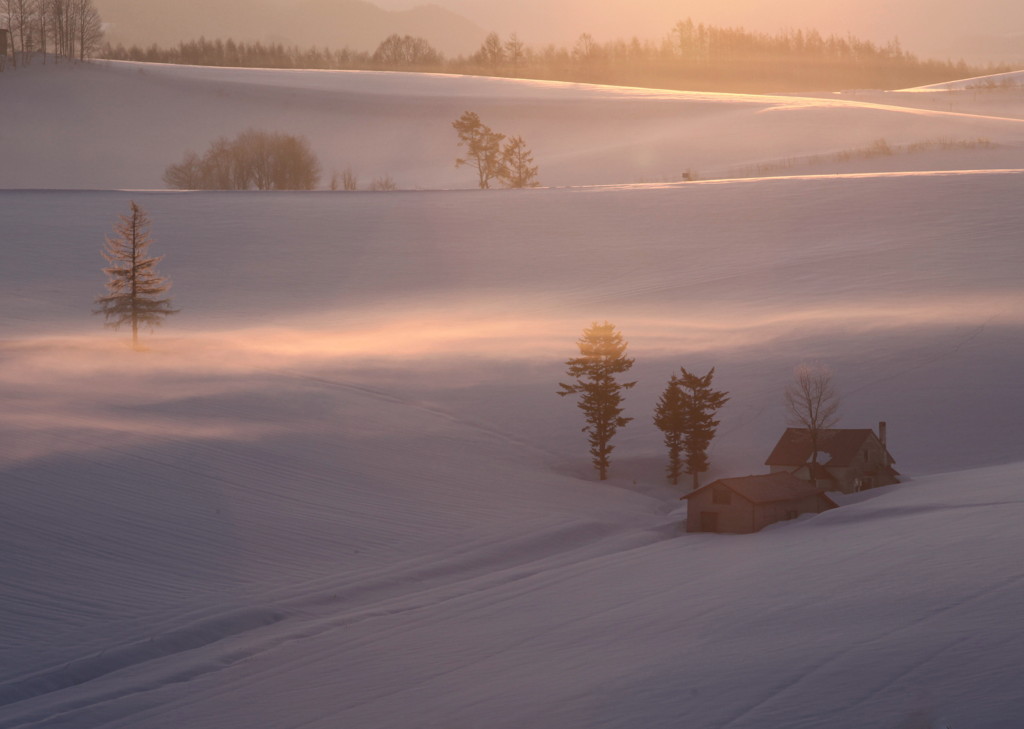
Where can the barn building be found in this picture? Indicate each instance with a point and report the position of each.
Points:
(750, 503)
(848, 460)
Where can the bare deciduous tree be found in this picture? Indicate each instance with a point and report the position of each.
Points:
(515, 52)
(349, 181)
(253, 160)
(812, 403)
(399, 50)
(491, 54)
(383, 184)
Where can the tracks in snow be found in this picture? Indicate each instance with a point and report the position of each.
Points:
(86, 688)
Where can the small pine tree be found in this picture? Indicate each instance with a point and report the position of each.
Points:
(700, 404)
(483, 148)
(602, 357)
(134, 284)
(517, 168)
(685, 414)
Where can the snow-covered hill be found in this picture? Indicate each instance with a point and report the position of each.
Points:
(119, 125)
(338, 488)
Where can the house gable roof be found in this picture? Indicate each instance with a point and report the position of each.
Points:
(768, 488)
(841, 444)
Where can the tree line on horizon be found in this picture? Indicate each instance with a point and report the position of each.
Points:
(690, 57)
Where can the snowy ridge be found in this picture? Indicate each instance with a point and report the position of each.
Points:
(1009, 79)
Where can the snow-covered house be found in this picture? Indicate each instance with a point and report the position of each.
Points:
(848, 459)
(750, 503)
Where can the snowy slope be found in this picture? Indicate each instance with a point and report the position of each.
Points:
(1007, 80)
(132, 120)
(338, 488)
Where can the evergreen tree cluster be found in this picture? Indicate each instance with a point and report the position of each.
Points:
(690, 57)
(510, 164)
(685, 413)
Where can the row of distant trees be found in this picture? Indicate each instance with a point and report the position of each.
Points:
(685, 413)
(66, 29)
(689, 56)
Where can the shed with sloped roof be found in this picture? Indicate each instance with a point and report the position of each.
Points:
(750, 503)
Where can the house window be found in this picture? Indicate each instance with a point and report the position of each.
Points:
(721, 496)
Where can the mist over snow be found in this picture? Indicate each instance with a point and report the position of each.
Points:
(338, 489)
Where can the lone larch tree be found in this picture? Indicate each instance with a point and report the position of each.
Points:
(134, 287)
(686, 415)
(813, 404)
(602, 357)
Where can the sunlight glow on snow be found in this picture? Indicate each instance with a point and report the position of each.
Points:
(60, 401)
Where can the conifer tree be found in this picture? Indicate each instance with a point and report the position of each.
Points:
(134, 285)
(668, 418)
(517, 168)
(483, 147)
(685, 414)
(602, 357)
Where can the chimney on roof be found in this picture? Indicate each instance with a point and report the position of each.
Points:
(881, 433)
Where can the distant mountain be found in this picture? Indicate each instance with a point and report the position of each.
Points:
(334, 23)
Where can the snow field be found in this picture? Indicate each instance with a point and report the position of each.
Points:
(338, 488)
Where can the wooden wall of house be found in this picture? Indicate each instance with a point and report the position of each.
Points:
(736, 517)
(765, 514)
(868, 469)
